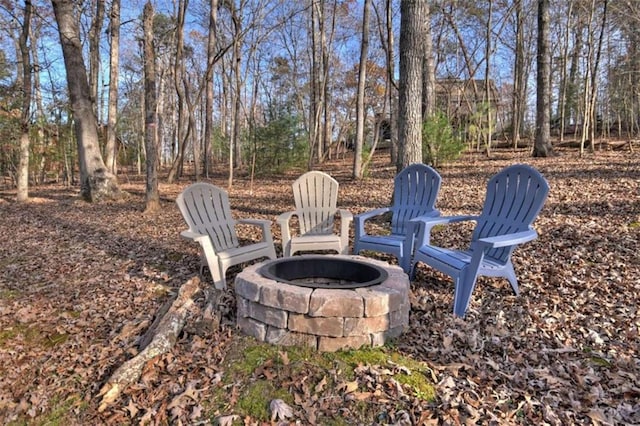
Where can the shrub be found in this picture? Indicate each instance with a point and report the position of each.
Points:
(440, 144)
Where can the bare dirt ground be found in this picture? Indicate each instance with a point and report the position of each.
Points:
(80, 283)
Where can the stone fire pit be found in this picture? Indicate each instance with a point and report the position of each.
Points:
(327, 319)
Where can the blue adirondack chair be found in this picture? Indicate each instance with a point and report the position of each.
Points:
(514, 198)
(415, 191)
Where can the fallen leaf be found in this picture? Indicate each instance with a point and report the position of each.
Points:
(280, 410)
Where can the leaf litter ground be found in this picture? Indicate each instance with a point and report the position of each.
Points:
(81, 283)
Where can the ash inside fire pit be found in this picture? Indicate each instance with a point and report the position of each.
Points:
(324, 272)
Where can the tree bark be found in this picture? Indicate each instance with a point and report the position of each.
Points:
(150, 111)
(178, 80)
(111, 148)
(392, 92)
(208, 120)
(96, 183)
(25, 69)
(413, 14)
(360, 107)
(94, 53)
(542, 145)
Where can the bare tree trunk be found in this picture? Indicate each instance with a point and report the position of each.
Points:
(564, 84)
(111, 148)
(542, 145)
(96, 183)
(94, 52)
(208, 120)
(150, 106)
(429, 73)
(517, 104)
(487, 80)
(40, 114)
(413, 15)
(392, 87)
(594, 76)
(178, 66)
(360, 107)
(25, 59)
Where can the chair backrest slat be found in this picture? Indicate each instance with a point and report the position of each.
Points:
(415, 191)
(315, 195)
(205, 208)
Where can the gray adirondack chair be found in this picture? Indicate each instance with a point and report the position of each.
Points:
(415, 190)
(315, 195)
(205, 208)
(513, 200)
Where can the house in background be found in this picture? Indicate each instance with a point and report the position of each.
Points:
(462, 101)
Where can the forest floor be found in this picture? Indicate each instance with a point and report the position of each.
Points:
(80, 283)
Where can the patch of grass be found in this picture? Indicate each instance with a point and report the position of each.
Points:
(634, 225)
(246, 358)
(412, 373)
(8, 294)
(59, 414)
(31, 335)
(600, 361)
(55, 339)
(255, 399)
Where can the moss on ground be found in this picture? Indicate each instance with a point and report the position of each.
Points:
(257, 373)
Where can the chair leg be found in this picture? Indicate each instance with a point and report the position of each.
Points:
(510, 275)
(405, 263)
(218, 276)
(464, 285)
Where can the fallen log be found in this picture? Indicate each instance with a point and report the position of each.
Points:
(161, 338)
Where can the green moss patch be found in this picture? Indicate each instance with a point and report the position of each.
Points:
(256, 373)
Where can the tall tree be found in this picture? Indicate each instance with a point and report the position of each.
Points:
(178, 80)
(211, 53)
(25, 69)
(518, 101)
(360, 106)
(150, 106)
(413, 15)
(392, 91)
(96, 183)
(111, 148)
(487, 80)
(542, 145)
(95, 33)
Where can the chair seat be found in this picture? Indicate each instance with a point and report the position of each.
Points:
(316, 242)
(378, 242)
(247, 252)
(446, 259)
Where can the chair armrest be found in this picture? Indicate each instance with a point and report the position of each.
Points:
(190, 235)
(432, 221)
(346, 217)
(283, 222)
(360, 219)
(426, 222)
(284, 218)
(508, 239)
(261, 223)
(371, 213)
